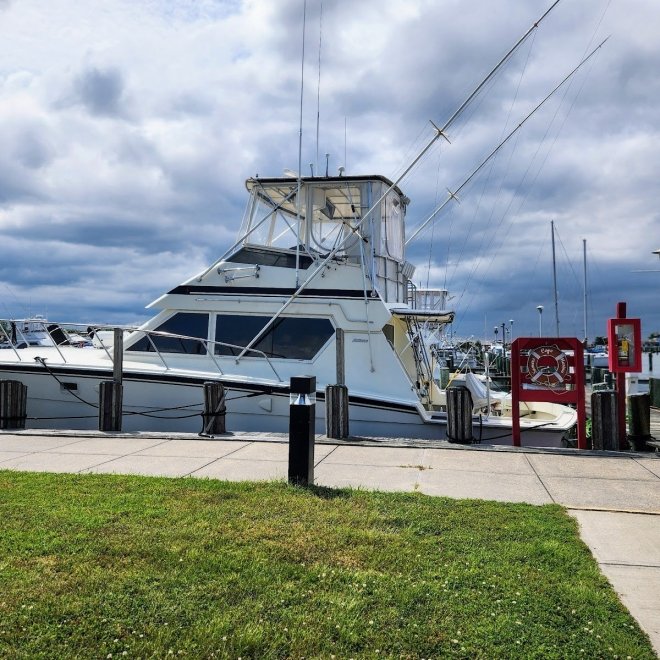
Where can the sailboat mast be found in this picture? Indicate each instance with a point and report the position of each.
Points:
(554, 277)
(584, 264)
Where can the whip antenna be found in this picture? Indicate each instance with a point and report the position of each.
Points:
(300, 131)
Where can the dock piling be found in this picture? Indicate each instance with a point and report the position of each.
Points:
(13, 404)
(604, 420)
(459, 415)
(215, 408)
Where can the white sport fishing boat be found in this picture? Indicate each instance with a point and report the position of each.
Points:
(315, 255)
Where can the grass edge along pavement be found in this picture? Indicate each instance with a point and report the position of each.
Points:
(101, 566)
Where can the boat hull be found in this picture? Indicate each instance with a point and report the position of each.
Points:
(67, 398)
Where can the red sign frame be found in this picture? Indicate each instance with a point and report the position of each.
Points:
(548, 369)
(624, 344)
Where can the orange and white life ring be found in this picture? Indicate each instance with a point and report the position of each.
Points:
(548, 366)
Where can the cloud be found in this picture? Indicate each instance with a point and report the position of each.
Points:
(101, 92)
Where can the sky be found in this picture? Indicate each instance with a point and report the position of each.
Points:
(128, 129)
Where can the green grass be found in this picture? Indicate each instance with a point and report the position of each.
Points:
(99, 566)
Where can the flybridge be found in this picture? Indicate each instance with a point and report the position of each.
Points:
(298, 222)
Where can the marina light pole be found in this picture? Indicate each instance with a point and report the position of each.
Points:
(540, 311)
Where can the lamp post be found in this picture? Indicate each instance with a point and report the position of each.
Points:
(511, 331)
(540, 311)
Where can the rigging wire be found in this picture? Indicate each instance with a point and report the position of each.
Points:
(541, 166)
(498, 195)
(489, 78)
(453, 195)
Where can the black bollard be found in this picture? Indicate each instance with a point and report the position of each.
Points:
(459, 415)
(604, 420)
(215, 408)
(302, 418)
(13, 404)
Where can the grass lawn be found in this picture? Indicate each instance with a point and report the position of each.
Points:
(100, 566)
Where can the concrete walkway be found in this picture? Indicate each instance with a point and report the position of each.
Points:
(614, 497)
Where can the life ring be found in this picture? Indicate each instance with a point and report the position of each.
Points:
(548, 366)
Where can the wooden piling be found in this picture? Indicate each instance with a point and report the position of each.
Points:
(118, 355)
(336, 396)
(110, 405)
(215, 408)
(336, 411)
(340, 356)
(111, 392)
(13, 404)
(604, 420)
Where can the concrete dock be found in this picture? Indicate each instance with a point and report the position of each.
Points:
(615, 497)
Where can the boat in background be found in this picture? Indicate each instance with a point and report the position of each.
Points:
(37, 331)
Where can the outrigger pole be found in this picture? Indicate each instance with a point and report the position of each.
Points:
(453, 195)
(439, 132)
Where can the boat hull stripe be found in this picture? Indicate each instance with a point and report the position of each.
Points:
(192, 290)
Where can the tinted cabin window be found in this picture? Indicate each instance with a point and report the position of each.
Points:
(184, 323)
(281, 259)
(289, 338)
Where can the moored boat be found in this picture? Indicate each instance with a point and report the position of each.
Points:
(315, 256)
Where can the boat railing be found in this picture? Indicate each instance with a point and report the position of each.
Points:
(94, 331)
(209, 345)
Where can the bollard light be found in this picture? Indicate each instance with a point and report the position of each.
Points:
(302, 419)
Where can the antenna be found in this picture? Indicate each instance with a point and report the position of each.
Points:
(318, 87)
(344, 142)
(298, 200)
